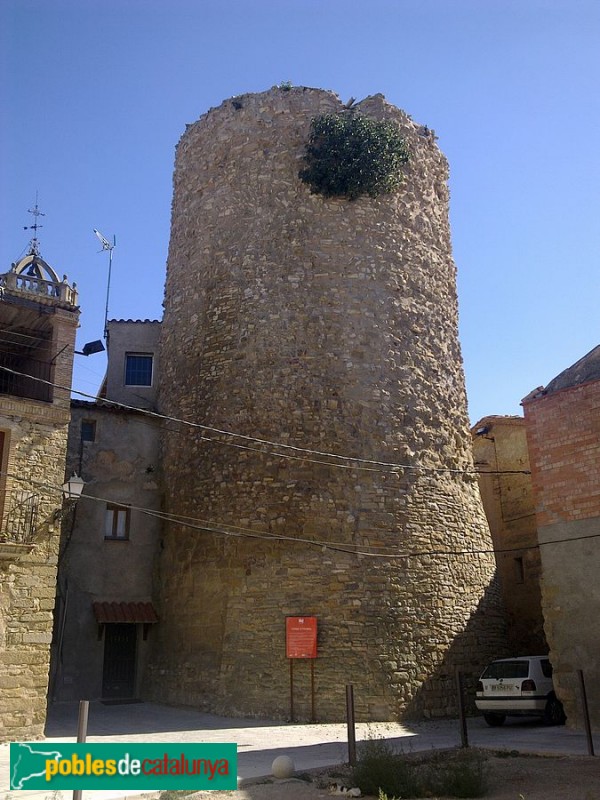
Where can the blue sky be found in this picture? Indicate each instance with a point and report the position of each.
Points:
(95, 95)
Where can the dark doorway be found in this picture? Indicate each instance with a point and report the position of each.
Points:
(118, 674)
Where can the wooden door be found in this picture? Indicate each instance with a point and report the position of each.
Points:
(120, 647)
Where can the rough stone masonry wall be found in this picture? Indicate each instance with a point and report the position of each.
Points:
(36, 440)
(506, 492)
(329, 325)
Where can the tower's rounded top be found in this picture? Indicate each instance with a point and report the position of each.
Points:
(33, 265)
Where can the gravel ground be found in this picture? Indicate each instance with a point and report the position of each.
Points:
(510, 778)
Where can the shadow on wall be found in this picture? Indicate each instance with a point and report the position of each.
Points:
(482, 635)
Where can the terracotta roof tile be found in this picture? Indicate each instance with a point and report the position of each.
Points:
(584, 370)
(124, 612)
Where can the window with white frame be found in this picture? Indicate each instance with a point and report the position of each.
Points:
(116, 522)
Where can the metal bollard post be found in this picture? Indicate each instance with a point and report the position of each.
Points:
(464, 736)
(586, 713)
(82, 724)
(351, 724)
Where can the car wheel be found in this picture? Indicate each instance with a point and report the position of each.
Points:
(554, 713)
(494, 719)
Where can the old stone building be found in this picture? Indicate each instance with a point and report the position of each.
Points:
(502, 462)
(563, 433)
(104, 612)
(323, 333)
(38, 319)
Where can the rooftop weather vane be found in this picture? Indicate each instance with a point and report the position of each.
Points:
(106, 245)
(34, 246)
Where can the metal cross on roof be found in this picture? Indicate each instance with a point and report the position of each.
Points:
(34, 246)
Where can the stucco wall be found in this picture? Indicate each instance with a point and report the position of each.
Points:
(120, 466)
(138, 337)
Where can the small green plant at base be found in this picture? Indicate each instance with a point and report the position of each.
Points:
(349, 155)
(459, 774)
(384, 796)
(380, 768)
(382, 772)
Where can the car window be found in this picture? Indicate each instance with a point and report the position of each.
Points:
(546, 668)
(507, 669)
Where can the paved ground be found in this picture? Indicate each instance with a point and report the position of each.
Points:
(260, 741)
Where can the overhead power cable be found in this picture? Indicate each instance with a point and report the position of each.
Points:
(349, 549)
(245, 533)
(355, 462)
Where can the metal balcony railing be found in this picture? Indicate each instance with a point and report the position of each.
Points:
(20, 518)
(25, 385)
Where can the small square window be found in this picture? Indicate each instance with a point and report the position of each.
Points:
(138, 369)
(116, 522)
(88, 430)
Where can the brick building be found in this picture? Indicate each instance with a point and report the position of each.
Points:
(563, 433)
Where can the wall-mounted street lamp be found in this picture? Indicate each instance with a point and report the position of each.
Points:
(73, 488)
(89, 348)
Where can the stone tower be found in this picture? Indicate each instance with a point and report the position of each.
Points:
(39, 315)
(328, 325)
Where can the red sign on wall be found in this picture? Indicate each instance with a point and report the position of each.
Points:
(301, 637)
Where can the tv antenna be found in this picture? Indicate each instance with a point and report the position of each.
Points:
(106, 245)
